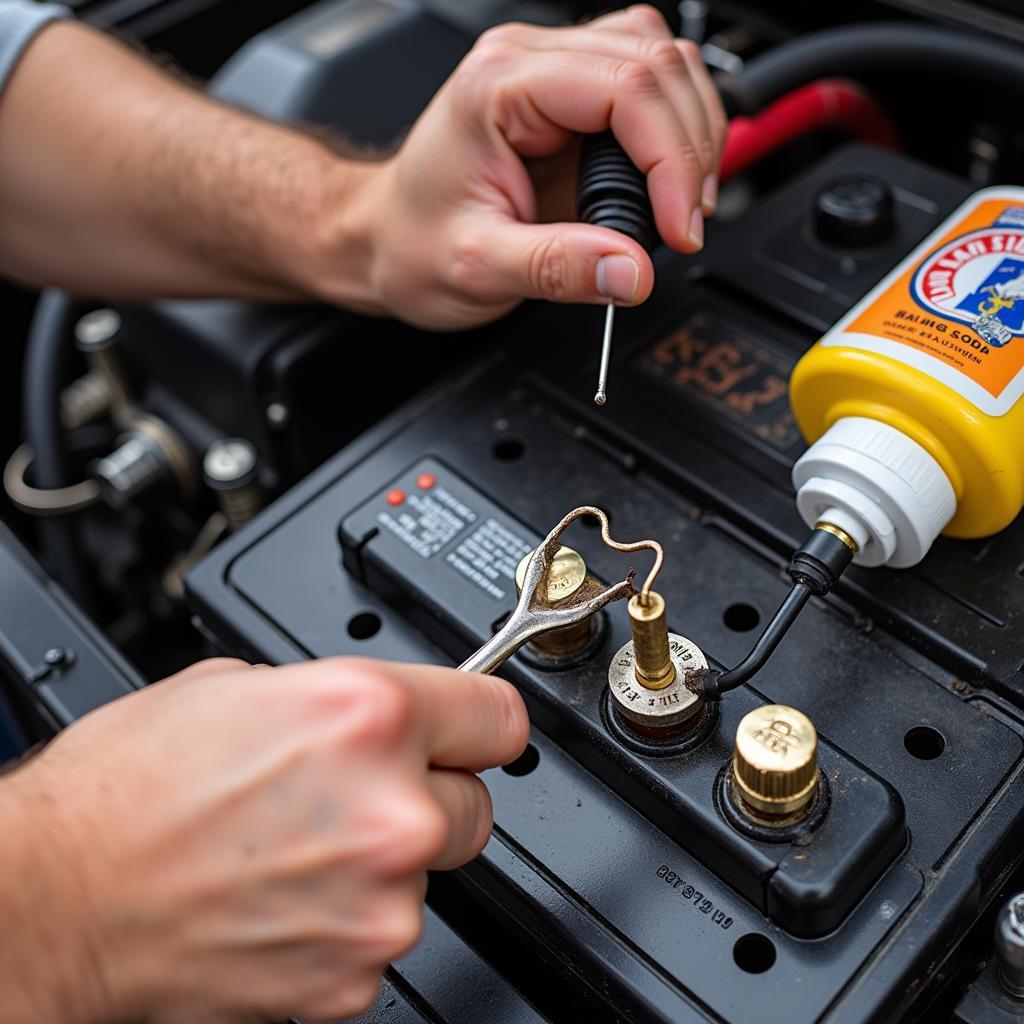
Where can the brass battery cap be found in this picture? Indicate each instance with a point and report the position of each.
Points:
(566, 574)
(775, 763)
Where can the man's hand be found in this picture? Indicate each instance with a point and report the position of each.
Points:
(477, 210)
(145, 187)
(243, 843)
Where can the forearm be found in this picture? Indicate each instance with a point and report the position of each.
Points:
(45, 973)
(116, 179)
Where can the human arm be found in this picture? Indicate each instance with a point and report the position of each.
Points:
(242, 843)
(118, 180)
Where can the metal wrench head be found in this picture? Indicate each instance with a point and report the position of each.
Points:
(532, 616)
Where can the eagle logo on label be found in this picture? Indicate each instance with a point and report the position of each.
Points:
(978, 280)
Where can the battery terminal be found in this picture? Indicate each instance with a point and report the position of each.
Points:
(536, 614)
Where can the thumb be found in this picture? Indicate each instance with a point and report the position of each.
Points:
(570, 263)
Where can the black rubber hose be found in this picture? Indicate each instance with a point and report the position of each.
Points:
(856, 50)
(46, 363)
(815, 569)
(715, 685)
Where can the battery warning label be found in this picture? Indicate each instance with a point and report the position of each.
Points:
(430, 521)
(957, 310)
(488, 558)
(427, 522)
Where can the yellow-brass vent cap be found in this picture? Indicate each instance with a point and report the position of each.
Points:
(775, 764)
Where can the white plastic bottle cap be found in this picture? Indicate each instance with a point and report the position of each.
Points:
(879, 486)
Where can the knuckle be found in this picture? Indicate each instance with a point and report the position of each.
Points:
(491, 54)
(212, 666)
(503, 34)
(648, 18)
(693, 166)
(548, 268)
(688, 51)
(399, 930)
(393, 701)
(636, 77)
(663, 54)
(706, 153)
(415, 833)
(469, 266)
(376, 706)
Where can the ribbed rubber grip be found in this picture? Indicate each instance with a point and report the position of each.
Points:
(612, 192)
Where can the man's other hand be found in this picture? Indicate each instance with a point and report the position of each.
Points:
(249, 843)
(476, 211)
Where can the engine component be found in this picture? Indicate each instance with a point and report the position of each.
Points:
(814, 569)
(854, 211)
(38, 501)
(831, 103)
(774, 775)
(230, 470)
(653, 678)
(1010, 946)
(96, 336)
(645, 880)
(149, 455)
(855, 49)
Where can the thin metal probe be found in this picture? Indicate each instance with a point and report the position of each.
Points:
(606, 353)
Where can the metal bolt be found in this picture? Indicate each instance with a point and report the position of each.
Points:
(1010, 946)
(55, 656)
(230, 471)
(277, 414)
(97, 330)
(231, 462)
(96, 335)
(135, 466)
(693, 20)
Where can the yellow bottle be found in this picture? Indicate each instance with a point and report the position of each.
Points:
(913, 401)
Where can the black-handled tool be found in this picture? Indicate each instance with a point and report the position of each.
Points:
(611, 192)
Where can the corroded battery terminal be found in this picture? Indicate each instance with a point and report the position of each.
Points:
(653, 678)
(566, 577)
(653, 664)
(546, 576)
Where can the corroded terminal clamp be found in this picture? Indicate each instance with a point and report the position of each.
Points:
(654, 678)
(535, 616)
(665, 712)
(566, 577)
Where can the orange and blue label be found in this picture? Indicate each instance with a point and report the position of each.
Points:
(955, 307)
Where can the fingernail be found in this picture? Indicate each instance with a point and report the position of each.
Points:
(618, 277)
(709, 194)
(697, 228)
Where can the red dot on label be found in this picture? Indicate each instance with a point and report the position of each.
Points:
(396, 497)
(425, 481)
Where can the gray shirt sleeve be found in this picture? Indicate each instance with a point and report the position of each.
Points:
(20, 20)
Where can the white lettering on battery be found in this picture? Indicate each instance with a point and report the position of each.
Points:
(488, 558)
(428, 521)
